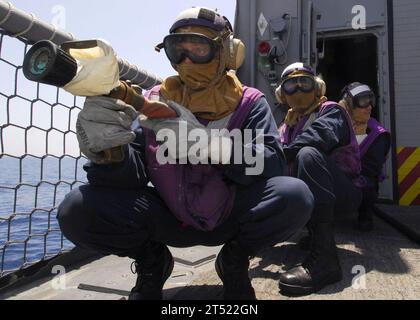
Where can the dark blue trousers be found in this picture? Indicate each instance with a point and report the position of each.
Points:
(333, 190)
(122, 222)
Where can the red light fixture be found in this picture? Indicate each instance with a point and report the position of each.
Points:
(264, 47)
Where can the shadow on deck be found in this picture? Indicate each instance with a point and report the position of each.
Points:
(390, 260)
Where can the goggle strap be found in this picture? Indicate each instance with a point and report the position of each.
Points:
(228, 24)
(159, 47)
(358, 90)
(220, 39)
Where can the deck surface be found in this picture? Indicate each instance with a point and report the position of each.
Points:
(389, 261)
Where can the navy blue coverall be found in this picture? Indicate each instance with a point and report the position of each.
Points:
(118, 213)
(372, 169)
(310, 152)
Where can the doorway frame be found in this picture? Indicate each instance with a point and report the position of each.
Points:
(333, 38)
(386, 114)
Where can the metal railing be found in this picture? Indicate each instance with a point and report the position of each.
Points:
(39, 158)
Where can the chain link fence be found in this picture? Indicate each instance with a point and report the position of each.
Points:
(39, 162)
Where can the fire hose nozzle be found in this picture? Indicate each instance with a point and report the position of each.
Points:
(47, 63)
(50, 64)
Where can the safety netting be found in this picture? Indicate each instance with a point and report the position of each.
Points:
(40, 161)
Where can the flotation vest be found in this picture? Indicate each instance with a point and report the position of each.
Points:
(375, 131)
(198, 195)
(347, 157)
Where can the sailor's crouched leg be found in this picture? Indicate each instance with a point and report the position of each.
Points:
(322, 266)
(269, 212)
(273, 211)
(109, 221)
(115, 221)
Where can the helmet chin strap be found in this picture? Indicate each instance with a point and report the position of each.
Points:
(223, 59)
(218, 76)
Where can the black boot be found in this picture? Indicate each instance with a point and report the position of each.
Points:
(366, 211)
(321, 267)
(232, 266)
(153, 268)
(305, 242)
(365, 221)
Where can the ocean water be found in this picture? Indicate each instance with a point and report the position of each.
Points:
(30, 192)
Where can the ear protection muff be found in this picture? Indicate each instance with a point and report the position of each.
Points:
(280, 95)
(320, 87)
(236, 53)
(346, 97)
(235, 49)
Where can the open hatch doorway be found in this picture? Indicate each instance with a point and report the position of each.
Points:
(349, 59)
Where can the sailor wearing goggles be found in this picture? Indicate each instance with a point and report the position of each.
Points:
(321, 149)
(193, 204)
(374, 141)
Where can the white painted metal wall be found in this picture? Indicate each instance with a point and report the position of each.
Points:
(407, 71)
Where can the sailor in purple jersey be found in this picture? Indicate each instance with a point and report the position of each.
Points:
(206, 204)
(374, 141)
(321, 149)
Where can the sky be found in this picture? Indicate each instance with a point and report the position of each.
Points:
(132, 27)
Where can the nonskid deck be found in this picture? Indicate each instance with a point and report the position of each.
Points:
(380, 265)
